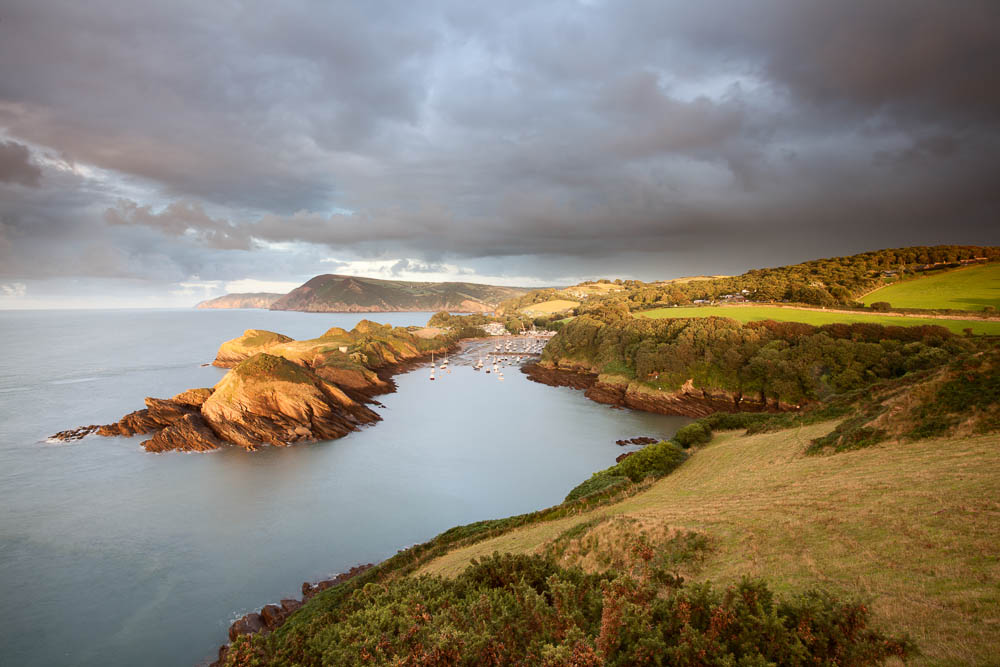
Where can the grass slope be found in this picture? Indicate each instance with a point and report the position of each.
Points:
(971, 288)
(550, 307)
(913, 526)
(746, 314)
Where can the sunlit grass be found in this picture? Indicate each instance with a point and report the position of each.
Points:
(971, 288)
(819, 317)
(912, 526)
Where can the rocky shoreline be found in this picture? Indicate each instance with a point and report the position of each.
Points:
(688, 401)
(273, 616)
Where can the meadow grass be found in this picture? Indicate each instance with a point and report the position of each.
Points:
(971, 288)
(912, 527)
(818, 317)
(550, 307)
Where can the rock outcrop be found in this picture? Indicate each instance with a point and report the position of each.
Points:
(268, 400)
(280, 391)
(250, 343)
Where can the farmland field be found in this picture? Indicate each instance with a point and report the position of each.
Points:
(973, 288)
(549, 307)
(819, 317)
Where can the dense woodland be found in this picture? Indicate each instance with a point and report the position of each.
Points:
(837, 281)
(791, 362)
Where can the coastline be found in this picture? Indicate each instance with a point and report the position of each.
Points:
(621, 392)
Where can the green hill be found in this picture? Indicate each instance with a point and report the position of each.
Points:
(335, 293)
(973, 288)
(818, 317)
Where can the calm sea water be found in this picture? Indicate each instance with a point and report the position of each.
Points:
(113, 556)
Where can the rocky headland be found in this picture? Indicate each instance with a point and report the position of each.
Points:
(280, 391)
(241, 300)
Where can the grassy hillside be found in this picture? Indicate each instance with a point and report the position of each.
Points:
(334, 293)
(973, 288)
(834, 281)
(912, 526)
(549, 307)
(820, 317)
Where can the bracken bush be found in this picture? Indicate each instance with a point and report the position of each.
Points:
(527, 610)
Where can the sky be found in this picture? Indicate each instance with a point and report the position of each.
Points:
(154, 154)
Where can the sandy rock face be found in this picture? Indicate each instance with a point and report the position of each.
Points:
(189, 433)
(268, 400)
(159, 413)
(250, 343)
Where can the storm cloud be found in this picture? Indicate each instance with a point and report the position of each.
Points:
(170, 142)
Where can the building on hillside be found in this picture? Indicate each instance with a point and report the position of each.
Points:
(495, 329)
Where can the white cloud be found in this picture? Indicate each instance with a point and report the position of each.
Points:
(14, 290)
(404, 268)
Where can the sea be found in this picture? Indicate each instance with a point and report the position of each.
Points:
(110, 555)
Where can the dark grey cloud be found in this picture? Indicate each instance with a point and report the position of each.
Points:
(643, 138)
(16, 165)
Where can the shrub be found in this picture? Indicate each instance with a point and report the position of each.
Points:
(655, 460)
(881, 306)
(599, 481)
(731, 421)
(516, 609)
(697, 433)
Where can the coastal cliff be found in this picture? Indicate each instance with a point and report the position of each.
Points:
(280, 391)
(241, 300)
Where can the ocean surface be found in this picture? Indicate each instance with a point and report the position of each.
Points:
(113, 556)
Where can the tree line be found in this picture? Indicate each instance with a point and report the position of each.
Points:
(836, 281)
(786, 361)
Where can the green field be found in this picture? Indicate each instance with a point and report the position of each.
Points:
(818, 317)
(910, 526)
(550, 307)
(973, 288)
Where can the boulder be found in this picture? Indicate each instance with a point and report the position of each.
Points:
(272, 615)
(250, 624)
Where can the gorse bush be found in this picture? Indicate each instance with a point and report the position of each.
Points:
(527, 610)
(696, 433)
(651, 461)
(598, 482)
